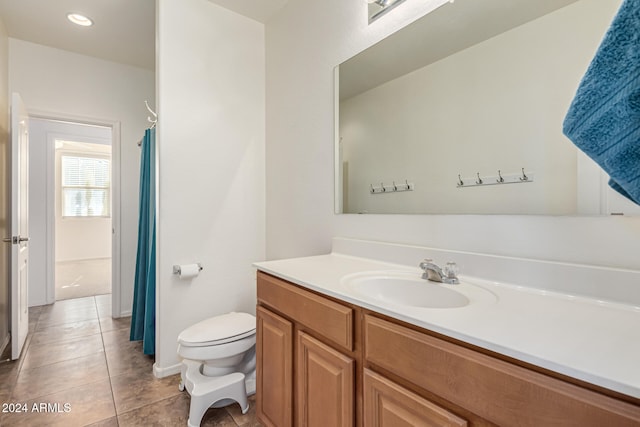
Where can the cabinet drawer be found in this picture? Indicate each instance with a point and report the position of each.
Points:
(386, 404)
(331, 320)
(501, 392)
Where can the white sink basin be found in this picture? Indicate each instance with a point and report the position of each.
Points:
(410, 290)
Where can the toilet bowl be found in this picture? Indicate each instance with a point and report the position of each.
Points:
(219, 363)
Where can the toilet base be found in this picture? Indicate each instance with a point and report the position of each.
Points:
(211, 391)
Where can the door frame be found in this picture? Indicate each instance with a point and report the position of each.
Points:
(116, 287)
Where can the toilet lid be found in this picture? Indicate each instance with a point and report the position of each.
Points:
(219, 330)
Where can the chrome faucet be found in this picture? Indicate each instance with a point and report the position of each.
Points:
(435, 274)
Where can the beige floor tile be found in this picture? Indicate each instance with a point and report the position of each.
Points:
(35, 311)
(34, 315)
(60, 376)
(118, 333)
(65, 363)
(125, 356)
(245, 420)
(8, 377)
(109, 324)
(173, 411)
(66, 331)
(104, 310)
(45, 354)
(217, 417)
(84, 405)
(72, 304)
(109, 422)
(103, 299)
(123, 360)
(136, 389)
(48, 319)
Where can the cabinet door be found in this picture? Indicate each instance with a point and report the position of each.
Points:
(386, 404)
(274, 353)
(325, 385)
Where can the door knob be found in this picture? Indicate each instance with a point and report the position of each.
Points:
(23, 239)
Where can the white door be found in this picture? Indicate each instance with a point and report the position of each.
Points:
(19, 224)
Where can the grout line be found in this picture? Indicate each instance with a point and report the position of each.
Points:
(106, 362)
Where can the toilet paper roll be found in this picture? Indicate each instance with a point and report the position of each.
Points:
(188, 271)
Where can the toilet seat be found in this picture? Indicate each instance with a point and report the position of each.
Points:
(219, 330)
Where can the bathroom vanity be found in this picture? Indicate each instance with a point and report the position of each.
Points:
(330, 356)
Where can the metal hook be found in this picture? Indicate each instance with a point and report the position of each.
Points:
(524, 177)
(382, 186)
(479, 181)
(372, 189)
(406, 183)
(394, 186)
(501, 179)
(153, 120)
(460, 181)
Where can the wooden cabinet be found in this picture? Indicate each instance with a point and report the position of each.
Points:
(325, 384)
(275, 364)
(497, 391)
(386, 404)
(322, 375)
(323, 362)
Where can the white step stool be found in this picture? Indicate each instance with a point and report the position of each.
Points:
(205, 391)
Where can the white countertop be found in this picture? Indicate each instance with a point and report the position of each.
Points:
(594, 341)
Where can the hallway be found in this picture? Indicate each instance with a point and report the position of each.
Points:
(76, 354)
(82, 278)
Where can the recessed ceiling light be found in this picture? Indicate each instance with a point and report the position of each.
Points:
(79, 19)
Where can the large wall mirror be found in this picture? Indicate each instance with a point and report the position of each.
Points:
(473, 93)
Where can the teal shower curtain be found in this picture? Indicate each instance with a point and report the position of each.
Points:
(143, 316)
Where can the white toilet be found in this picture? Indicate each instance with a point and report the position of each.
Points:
(219, 363)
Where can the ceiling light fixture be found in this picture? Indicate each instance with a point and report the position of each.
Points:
(79, 19)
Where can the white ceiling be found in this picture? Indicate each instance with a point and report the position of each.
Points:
(123, 30)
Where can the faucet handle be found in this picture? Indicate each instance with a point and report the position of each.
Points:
(450, 270)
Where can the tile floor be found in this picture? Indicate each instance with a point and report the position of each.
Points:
(82, 278)
(77, 355)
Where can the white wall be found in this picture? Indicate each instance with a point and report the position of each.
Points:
(54, 82)
(410, 127)
(304, 42)
(210, 152)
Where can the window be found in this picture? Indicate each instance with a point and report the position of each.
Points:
(86, 186)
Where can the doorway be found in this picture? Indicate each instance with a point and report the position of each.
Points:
(82, 215)
(72, 200)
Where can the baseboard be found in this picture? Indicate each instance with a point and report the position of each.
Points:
(165, 372)
(125, 313)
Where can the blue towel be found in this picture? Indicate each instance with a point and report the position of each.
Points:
(604, 117)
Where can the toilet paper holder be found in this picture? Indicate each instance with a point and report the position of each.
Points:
(178, 270)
